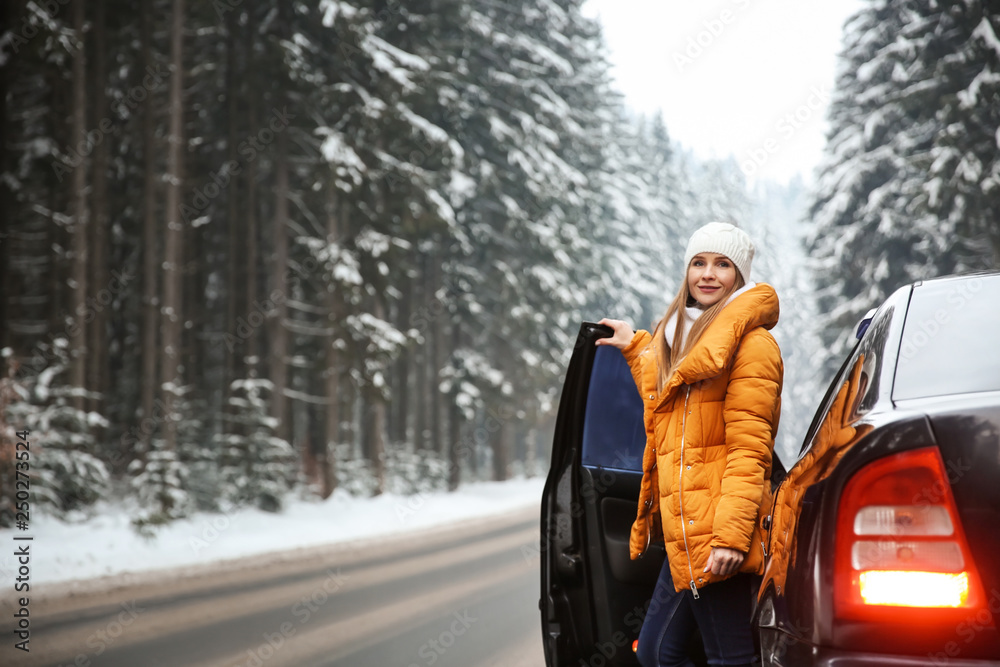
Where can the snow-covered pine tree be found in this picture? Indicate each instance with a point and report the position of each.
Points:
(65, 474)
(531, 135)
(173, 482)
(635, 239)
(255, 466)
(460, 181)
(963, 187)
(909, 185)
(390, 164)
(720, 190)
(777, 227)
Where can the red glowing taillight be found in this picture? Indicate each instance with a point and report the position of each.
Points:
(900, 542)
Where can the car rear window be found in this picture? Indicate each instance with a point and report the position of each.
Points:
(951, 339)
(613, 431)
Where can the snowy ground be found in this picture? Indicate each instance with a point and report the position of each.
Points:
(107, 544)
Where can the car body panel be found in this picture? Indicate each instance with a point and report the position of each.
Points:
(860, 422)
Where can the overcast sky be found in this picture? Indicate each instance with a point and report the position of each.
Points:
(748, 78)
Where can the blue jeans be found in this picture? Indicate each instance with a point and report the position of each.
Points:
(721, 612)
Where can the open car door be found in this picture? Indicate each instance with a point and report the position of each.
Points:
(593, 596)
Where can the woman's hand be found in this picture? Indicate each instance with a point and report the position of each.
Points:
(623, 334)
(724, 561)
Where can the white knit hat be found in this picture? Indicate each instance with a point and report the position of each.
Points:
(724, 239)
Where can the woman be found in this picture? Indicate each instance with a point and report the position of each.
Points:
(710, 378)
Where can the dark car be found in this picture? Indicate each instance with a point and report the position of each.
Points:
(884, 537)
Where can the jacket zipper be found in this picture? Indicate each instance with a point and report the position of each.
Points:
(649, 504)
(680, 494)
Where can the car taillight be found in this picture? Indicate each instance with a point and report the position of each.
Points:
(900, 541)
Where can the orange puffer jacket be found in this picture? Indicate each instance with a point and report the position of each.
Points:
(709, 438)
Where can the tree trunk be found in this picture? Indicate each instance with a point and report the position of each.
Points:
(501, 450)
(436, 336)
(454, 451)
(421, 359)
(375, 440)
(278, 339)
(251, 202)
(150, 237)
(530, 451)
(233, 364)
(79, 213)
(9, 13)
(401, 396)
(56, 238)
(172, 278)
(331, 425)
(454, 454)
(194, 314)
(376, 452)
(97, 335)
(501, 431)
(331, 434)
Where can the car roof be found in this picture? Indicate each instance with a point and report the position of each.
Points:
(957, 277)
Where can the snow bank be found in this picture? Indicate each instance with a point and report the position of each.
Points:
(107, 544)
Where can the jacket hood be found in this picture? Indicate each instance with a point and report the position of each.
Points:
(755, 307)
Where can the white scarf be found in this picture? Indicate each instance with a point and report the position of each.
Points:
(670, 327)
(693, 313)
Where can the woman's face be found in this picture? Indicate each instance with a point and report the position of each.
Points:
(710, 278)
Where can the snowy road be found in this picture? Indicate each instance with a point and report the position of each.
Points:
(459, 596)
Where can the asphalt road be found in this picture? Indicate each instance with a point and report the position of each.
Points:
(464, 596)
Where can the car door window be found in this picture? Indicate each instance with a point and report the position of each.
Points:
(871, 349)
(613, 433)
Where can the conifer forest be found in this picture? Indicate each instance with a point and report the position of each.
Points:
(253, 248)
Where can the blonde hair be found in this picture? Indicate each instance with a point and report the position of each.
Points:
(669, 357)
